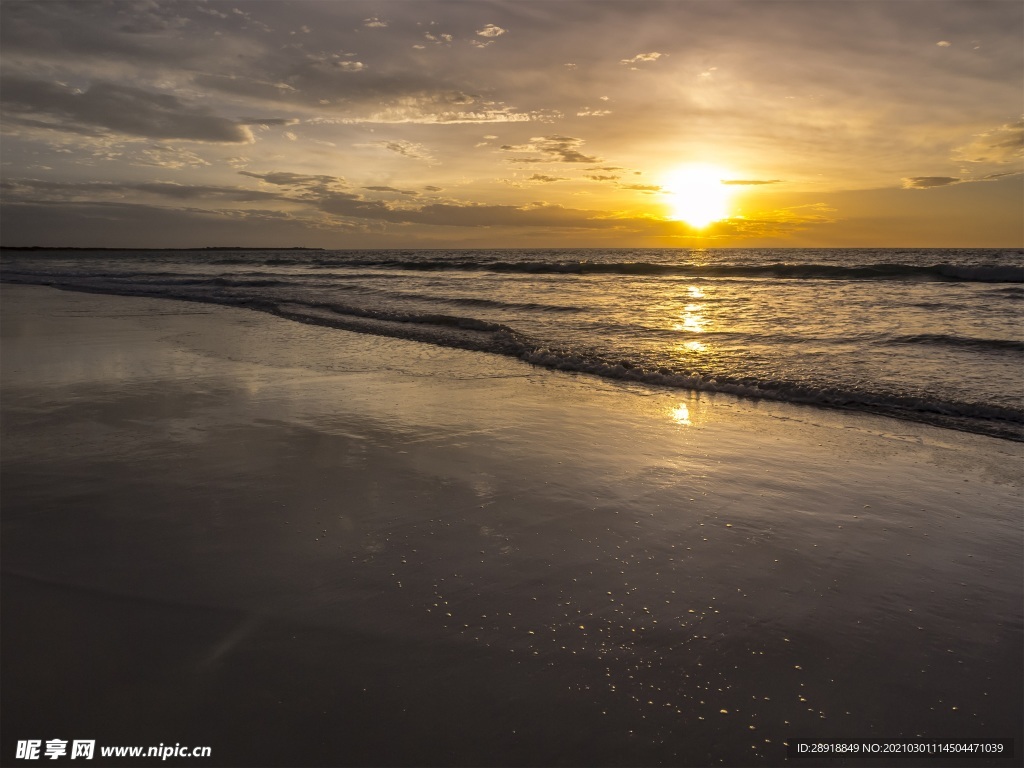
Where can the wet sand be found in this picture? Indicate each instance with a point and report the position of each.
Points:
(302, 546)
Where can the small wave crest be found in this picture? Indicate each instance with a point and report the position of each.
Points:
(391, 316)
(794, 392)
(949, 340)
(780, 270)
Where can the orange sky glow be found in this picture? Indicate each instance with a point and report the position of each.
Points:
(512, 124)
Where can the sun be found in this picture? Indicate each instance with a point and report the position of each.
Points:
(698, 194)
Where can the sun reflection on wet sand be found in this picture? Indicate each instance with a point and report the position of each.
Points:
(693, 412)
(681, 415)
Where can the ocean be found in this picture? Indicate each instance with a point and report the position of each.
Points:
(928, 335)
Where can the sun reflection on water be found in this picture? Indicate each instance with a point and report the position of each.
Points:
(693, 319)
(691, 322)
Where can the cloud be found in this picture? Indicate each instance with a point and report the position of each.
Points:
(477, 215)
(414, 114)
(927, 182)
(469, 214)
(108, 39)
(344, 91)
(411, 192)
(237, 85)
(38, 190)
(28, 122)
(491, 30)
(994, 176)
(373, 21)
(442, 38)
(546, 179)
(599, 177)
(196, 191)
(267, 122)
(325, 196)
(404, 148)
(337, 61)
(1004, 144)
(254, 22)
(588, 112)
(564, 149)
(431, 109)
(147, 18)
(131, 225)
(750, 182)
(211, 12)
(350, 66)
(121, 224)
(310, 184)
(173, 158)
(777, 223)
(643, 58)
(118, 108)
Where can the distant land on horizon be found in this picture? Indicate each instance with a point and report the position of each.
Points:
(193, 248)
(510, 248)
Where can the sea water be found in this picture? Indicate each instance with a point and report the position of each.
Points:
(931, 335)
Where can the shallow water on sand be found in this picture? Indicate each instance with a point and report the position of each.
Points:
(930, 335)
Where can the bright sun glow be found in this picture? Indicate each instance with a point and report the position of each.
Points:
(698, 195)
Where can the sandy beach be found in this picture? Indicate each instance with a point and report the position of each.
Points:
(301, 546)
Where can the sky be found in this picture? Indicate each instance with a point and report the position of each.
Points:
(525, 124)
